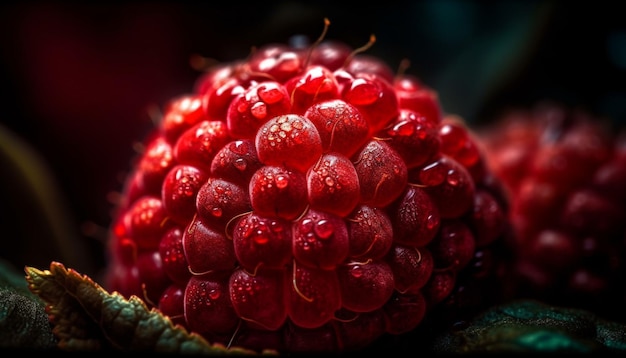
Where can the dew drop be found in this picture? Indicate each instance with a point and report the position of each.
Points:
(306, 225)
(282, 181)
(259, 110)
(214, 294)
(276, 227)
(298, 124)
(432, 221)
(238, 147)
(329, 181)
(241, 164)
(216, 211)
(404, 128)
(453, 178)
(356, 271)
(286, 126)
(324, 229)
(270, 95)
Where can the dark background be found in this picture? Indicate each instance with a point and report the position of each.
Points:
(80, 81)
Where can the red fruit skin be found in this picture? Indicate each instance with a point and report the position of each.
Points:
(236, 161)
(264, 289)
(370, 231)
(208, 309)
(308, 307)
(198, 145)
(311, 200)
(560, 168)
(382, 173)
(278, 191)
(173, 255)
(257, 104)
(333, 185)
(181, 113)
(320, 240)
(172, 304)
(341, 126)
(262, 242)
(374, 97)
(365, 287)
(413, 95)
(206, 249)
(180, 189)
(315, 85)
(416, 218)
(289, 140)
(220, 201)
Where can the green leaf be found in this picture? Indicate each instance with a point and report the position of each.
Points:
(87, 317)
(23, 321)
(524, 326)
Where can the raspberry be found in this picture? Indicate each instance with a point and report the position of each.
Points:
(564, 171)
(306, 199)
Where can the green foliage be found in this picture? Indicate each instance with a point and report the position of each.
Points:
(88, 318)
(529, 326)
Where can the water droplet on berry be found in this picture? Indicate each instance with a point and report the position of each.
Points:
(356, 271)
(270, 94)
(297, 124)
(324, 229)
(453, 177)
(217, 212)
(404, 128)
(306, 225)
(282, 181)
(276, 227)
(241, 164)
(259, 110)
(286, 126)
(239, 147)
(214, 294)
(432, 222)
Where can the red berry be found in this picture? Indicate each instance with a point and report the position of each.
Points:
(172, 304)
(365, 286)
(198, 145)
(180, 114)
(564, 174)
(259, 298)
(236, 161)
(382, 173)
(255, 106)
(341, 126)
(278, 191)
(333, 185)
(308, 200)
(179, 191)
(263, 242)
(289, 140)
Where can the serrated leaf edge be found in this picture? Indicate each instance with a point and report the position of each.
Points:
(61, 278)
